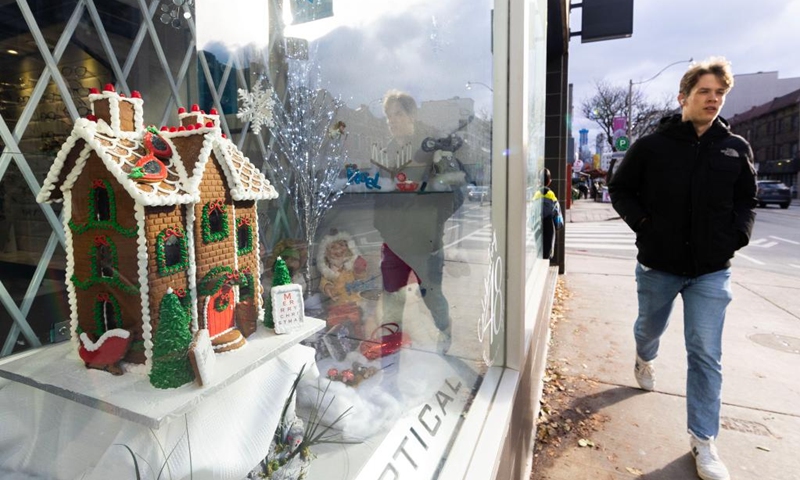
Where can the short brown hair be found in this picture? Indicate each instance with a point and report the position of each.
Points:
(405, 100)
(718, 66)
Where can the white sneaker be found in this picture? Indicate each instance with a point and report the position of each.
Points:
(709, 466)
(645, 374)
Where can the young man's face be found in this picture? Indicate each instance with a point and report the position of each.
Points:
(704, 102)
(401, 124)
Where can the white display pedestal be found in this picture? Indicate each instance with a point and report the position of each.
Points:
(62, 421)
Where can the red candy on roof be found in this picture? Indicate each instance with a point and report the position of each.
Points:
(181, 110)
(136, 94)
(213, 111)
(195, 107)
(108, 88)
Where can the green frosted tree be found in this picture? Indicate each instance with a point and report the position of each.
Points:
(171, 366)
(280, 276)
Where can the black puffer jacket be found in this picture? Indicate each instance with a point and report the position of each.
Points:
(690, 199)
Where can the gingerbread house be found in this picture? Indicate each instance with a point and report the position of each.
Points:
(146, 211)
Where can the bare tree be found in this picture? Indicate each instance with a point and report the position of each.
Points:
(610, 101)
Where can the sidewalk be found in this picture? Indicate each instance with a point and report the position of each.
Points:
(625, 432)
(587, 210)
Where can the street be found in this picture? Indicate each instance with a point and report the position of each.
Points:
(774, 245)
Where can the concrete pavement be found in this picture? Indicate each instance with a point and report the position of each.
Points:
(643, 435)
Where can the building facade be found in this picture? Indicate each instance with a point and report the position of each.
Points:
(773, 130)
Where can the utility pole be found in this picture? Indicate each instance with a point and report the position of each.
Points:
(631, 83)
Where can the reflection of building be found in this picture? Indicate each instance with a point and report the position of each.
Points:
(583, 146)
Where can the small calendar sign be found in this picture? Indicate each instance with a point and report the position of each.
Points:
(287, 307)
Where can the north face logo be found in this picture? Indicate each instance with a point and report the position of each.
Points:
(729, 152)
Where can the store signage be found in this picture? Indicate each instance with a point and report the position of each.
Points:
(415, 446)
(490, 322)
(356, 177)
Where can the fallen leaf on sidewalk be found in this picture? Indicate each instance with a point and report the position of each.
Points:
(583, 442)
(634, 471)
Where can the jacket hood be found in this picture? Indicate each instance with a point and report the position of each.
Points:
(674, 126)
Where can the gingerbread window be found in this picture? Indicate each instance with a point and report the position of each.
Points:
(102, 212)
(104, 258)
(215, 222)
(172, 254)
(246, 285)
(106, 314)
(101, 202)
(244, 236)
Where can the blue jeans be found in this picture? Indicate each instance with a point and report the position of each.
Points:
(705, 299)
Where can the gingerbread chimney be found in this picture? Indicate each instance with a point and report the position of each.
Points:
(119, 112)
(196, 116)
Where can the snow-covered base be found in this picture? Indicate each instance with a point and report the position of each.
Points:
(229, 432)
(57, 369)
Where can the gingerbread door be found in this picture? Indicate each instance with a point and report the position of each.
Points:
(220, 312)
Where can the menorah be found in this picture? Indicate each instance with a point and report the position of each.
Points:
(402, 158)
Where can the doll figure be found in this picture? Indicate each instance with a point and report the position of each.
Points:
(343, 269)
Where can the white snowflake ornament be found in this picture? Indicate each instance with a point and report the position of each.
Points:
(257, 106)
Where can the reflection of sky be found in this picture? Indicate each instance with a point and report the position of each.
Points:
(231, 24)
(766, 40)
(429, 49)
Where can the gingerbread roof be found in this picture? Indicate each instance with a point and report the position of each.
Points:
(121, 152)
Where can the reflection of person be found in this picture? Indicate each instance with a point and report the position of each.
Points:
(551, 215)
(688, 191)
(412, 224)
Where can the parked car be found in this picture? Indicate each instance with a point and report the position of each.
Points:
(773, 191)
(477, 193)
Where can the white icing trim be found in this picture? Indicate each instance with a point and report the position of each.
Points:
(72, 297)
(75, 173)
(131, 187)
(177, 162)
(196, 176)
(113, 109)
(187, 133)
(144, 284)
(223, 333)
(205, 311)
(192, 271)
(257, 246)
(222, 149)
(54, 173)
(235, 243)
(93, 346)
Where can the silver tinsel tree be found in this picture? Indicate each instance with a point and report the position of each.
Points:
(308, 154)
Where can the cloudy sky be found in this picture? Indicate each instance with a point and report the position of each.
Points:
(755, 35)
(432, 49)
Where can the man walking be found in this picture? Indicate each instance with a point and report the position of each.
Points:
(689, 192)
